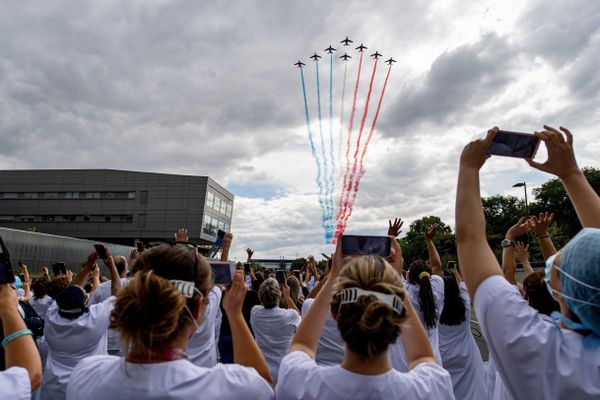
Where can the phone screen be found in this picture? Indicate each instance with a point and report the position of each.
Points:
(353, 245)
(59, 268)
(223, 272)
(280, 276)
(101, 250)
(247, 268)
(514, 144)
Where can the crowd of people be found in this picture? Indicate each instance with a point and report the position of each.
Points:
(365, 327)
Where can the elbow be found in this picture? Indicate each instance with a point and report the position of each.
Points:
(36, 379)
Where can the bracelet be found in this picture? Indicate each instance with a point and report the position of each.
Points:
(544, 237)
(14, 335)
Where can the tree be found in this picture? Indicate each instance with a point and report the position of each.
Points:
(413, 244)
(298, 263)
(552, 197)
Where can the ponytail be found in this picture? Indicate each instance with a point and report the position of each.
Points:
(420, 274)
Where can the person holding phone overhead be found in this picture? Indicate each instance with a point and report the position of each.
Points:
(156, 313)
(74, 329)
(366, 298)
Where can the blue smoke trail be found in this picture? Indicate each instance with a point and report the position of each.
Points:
(333, 170)
(329, 212)
(313, 150)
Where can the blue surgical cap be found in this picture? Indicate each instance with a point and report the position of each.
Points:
(17, 283)
(580, 262)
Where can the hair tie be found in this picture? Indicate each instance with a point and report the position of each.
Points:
(424, 274)
(351, 295)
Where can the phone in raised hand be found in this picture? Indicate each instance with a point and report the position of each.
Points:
(514, 144)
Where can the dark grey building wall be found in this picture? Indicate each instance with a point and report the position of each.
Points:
(113, 205)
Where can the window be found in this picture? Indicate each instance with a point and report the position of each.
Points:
(86, 218)
(144, 197)
(28, 218)
(48, 218)
(131, 195)
(108, 195)
(32, 195)
(9, 196)
(141, 220)
(107, 218)
(126, 218)
(228, 210)
(210, 199)
(6, 218)
(51, 195)
(92, 195)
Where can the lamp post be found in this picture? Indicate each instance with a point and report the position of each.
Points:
(524, 185)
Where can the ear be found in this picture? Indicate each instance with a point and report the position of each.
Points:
(199, 309)
(334, 315)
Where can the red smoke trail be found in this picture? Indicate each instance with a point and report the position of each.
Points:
(347, 190)
(350, 124)
(362, 156)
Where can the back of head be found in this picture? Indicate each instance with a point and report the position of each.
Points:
(269, 293)
(71, 302)
(260, 278)
(420, 274)
(537, 294)
(368, 325)
(56, 285)
(121, 264)
(295, 290)
(454, 305)
(150, 312)
(39, 288)
(580, 277)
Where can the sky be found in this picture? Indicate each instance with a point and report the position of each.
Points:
(209, 88)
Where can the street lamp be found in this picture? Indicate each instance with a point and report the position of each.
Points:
(524, 185)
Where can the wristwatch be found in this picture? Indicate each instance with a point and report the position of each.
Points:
(507, 243)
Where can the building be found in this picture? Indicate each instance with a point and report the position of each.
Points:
(114, 206)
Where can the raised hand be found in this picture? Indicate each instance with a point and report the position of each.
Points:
(394, 228)
(518, 229)
(250, 253)
(540, 224)
(327, 257)
(430, 232)
(476, 153)
(181, 235)
(235, 294)
(561, 158)
(395, 259)
(522, 252)
(69, 276)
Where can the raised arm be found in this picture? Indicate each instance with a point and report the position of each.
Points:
(414, 338)
(509, 265)
(95, 279)
(394, 228)
(249, 253)
(86, 270)
(522, 254)
(561, 162)
(115, 279)
(309, 332)
(540, 226)
(20, 351)
(227, 239)
(434, 258)
(245, 349)
(477, 261)
(288, 299)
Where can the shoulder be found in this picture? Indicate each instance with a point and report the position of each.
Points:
(306, 305)
(15, 383)
(237, 378)
(297, 363)
(89, 367)
(429, 380)
(437, 283)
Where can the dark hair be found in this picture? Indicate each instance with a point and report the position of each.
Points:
(368, 326)
(426, 299)
(537, 294)
(454, 305)
(71, 302)
(39, 288)
(260, 278)
(121, 266)
(56, 285)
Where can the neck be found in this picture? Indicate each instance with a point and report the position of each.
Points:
(375, 365)
(170, 352)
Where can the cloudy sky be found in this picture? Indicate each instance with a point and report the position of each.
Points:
(209, 88)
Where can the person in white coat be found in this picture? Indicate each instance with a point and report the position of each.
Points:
(537, 357)
(366, 298)
(156, 314)
(74, 330)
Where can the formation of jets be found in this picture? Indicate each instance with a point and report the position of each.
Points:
(345, 57)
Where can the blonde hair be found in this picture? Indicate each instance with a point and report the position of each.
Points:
(269, 293)
(369, 325)
(150, 312)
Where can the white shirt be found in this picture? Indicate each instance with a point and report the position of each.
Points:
(41, 305)
(396, 350)
(109, 377)
(535, 359)
(15, 384)
(461, 356)
(273, 330)
(70, 341)
(103, 292)
(301, 378)
(201, 348)
(331, 345)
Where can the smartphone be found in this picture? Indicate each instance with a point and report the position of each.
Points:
(139, 245)
(514, 144)
(247, 268)
(357, 245)
(6, 272)
(59, 268)
(296, 273)
(223, 272)
(101, 250)
(451, 265)
(280, 276)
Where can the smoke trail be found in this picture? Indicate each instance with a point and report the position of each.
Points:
(342, 123)
(333, 166)
(348, 189)
(313, 149)
(341, 206)
(364, 152)
(325, 178)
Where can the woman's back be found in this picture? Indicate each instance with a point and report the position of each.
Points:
(108, 377)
